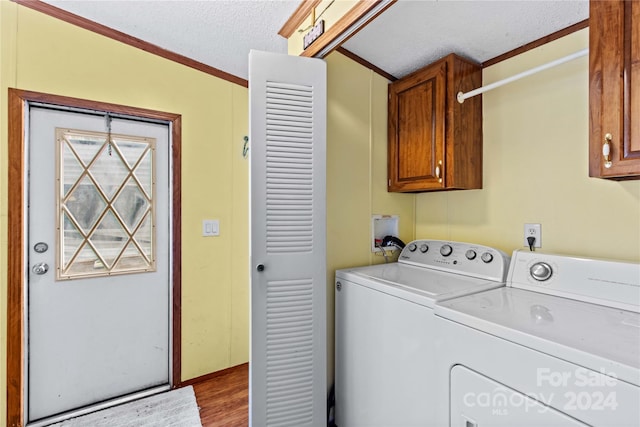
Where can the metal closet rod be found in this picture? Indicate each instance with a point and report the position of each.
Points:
(462, 96)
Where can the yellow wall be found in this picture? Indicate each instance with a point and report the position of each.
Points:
(51, 56)
(536, 168)
(7, 73)
(356, 171)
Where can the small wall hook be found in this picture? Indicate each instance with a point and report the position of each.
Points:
(245, 147)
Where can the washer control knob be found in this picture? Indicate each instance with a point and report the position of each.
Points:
(413, 247)
(541, 271)
(487, 257)
(470, 254)
(446, 250)
(424, 248)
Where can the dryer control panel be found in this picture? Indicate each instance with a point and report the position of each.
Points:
(606, 282)
(457, 257)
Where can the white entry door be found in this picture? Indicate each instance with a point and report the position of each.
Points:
(288, 234)
(98, 282)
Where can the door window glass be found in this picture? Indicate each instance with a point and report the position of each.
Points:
(105, 199)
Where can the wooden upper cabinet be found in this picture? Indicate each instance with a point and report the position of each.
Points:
(435, 143)
(614, 89)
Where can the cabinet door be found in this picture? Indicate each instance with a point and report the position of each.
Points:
(416, 131)
(614, 79)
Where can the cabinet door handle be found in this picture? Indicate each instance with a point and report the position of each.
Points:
(606, 150)
(438, 171)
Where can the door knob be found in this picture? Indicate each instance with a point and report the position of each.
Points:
(260, 267)
(40, 268)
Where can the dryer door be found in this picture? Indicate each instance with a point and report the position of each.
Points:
(478, 401)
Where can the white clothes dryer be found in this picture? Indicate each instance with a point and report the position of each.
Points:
(558, 346)
(384, 329)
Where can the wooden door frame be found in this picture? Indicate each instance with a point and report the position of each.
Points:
(16, 267)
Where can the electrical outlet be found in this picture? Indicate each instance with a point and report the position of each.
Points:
(533, 230)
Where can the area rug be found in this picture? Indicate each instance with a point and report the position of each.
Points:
(176, 408)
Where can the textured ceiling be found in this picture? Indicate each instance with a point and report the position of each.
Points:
(218, 33)
(412, 34)
(407, 36)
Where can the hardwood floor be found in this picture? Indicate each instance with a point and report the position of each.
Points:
(223, 397)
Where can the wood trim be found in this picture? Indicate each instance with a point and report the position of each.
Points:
(176, 251)
(297, 17)
(347, 21)
(127, 39)
(537, 43)
(16, 234)
(212, 375)
(15, 262)
(629, 66)
(366, 63)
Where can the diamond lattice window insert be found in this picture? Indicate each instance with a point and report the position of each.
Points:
(105, 204)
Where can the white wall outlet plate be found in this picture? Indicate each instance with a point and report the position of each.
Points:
(533, 230)
(210, 227)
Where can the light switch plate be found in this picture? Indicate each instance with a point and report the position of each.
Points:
(210, 227)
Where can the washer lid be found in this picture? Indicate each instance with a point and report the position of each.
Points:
(421, 285)
(589, 335)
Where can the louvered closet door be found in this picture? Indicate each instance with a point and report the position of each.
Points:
(288, 250)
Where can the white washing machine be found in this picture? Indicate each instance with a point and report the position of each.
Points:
(384, 329)
(558, 346)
